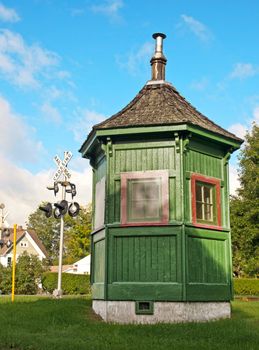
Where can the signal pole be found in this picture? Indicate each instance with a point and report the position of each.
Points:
(61, 208)
(58, 291)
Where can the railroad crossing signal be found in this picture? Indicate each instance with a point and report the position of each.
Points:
(62, 166)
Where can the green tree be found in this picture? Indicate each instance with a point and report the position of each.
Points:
(244, 209)
(77, 237)
(5, 279)
(76, 234)
(29, 270)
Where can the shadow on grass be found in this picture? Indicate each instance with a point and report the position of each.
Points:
(33, 323)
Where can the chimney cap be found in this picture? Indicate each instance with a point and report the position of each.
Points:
(155, 35)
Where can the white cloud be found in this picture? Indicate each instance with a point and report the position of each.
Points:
(134, 60)
(234, 183)
(238, 130)
(8, 14)
(200, 85)
(51, 113)
(17, 139)
(23, 64)
(244, 70)
(197, 28)
(22, 191)
(83, 123)
(241, 129)
(109, 8)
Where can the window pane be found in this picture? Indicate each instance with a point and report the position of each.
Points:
(137, 210)
(144, 199)
(152, 209)
(152, 190)
(198, 192)
(207, 194)
(208, 212)
(138, 190)
(199, 211)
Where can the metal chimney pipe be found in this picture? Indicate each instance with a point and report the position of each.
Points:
(158, 61)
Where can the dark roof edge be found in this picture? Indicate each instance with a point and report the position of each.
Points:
(218, 137)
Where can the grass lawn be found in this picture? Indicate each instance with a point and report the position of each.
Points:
(36, 323)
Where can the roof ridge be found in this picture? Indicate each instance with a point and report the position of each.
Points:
(200, 114)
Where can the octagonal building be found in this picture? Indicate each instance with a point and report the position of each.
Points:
(161, 244)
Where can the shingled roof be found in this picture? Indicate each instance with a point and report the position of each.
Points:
(19, 235)
(160, 104)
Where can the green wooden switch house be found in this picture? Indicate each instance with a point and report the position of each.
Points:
(161, 246)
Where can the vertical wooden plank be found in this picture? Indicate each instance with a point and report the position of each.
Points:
(154, 259)
(125, 259)
(131, 258)
(142, 258)
(137, 259)
(166, 164)
(119, 259)
(161, 258)
(171, 156)
(148, 259)
(175, 262)
(122, 161)
(155, 159)
(167, 265)
(144, 159)
(160, 158)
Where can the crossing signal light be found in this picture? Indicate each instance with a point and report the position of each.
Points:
(73, 209)
(72, 190)
(47, 209)
(60, 209)
(54, 188)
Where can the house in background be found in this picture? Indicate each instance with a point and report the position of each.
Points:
(27, 241)
(80, 267)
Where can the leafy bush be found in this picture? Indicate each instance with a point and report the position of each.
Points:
(71, 283)
(5, 279)
(246, 286)
(28, 274)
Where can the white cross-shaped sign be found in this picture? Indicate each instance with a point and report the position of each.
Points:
(62, 166)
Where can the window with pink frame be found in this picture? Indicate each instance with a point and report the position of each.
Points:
(144, 197)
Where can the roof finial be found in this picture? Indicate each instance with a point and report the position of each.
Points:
(158, 61)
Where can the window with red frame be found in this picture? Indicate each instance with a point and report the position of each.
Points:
(206, 209)
(144, 197)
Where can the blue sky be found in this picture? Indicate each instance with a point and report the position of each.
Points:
(66, 65)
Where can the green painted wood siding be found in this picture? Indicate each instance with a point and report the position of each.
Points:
(145, 259)
(208, 265)
(99, 262)
(141, 157)
(172, 262)
(207, 260)
(144, 263)
(203, 164)
(211, 165)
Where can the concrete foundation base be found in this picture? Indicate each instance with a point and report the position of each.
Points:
(164, 312)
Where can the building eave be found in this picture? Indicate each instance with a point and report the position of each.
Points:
(97, 134)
